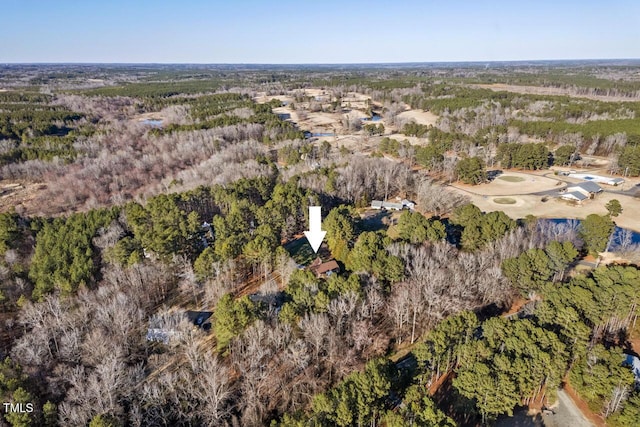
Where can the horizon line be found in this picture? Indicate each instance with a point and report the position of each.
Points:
(328, 63)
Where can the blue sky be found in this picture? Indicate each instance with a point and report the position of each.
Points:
(321, 31)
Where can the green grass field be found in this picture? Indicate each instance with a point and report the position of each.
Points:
(505, 201)
(301, 251)
(511, 178)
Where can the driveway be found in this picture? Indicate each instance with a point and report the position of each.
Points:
(566, 414)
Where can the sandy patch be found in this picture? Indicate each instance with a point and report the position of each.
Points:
(500, 187)
(321, 119)
(314, 92)
(263, 98)
(413, 140)
(421, 117)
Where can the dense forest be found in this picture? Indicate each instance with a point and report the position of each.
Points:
(158, 274)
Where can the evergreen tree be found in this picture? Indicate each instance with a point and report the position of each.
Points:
(614, 207)
(413, 227)
(471, 170)
(341, 231)
(595, 231)
(563, 154)
(629, 160)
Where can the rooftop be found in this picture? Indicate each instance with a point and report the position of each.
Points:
(588, 186)
(574, 194)
(318, 267)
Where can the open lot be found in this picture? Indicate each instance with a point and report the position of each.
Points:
(527, 204)
(512, 183)
(421, 117)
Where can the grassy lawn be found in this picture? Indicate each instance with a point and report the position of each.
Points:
(372, 220)
(511, 178)
(301, 251)
(505, 201)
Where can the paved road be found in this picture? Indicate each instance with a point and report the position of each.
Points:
(566, 414)
(519, 419)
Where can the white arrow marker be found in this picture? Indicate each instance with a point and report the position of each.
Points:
(315, 235)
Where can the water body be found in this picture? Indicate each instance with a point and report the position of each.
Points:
(374, 118)
(154, 123)
(320, 135)
(635, 236)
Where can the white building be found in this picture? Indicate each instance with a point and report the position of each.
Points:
(574, 196)
(597, 178)
(379, 204)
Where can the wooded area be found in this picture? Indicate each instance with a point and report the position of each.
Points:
(158, 274)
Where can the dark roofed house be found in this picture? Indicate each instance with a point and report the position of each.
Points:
(587, 188)
(590, 187)
(321, 269)
(200, 318)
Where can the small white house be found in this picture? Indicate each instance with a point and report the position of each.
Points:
(574, 196)
(379, 204)
(404, 204)
(408, 204)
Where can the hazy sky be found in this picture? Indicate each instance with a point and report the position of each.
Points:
(320, 31)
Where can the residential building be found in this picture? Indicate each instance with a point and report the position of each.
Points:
(324, 269)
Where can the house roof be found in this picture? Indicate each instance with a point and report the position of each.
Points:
(198, 318)
(574, 195)
(589, 186)
(379, 204)
(319, 267)
(392, 205)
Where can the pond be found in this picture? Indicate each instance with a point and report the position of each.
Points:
(156, 123)
(374, 118)
(617, 234)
